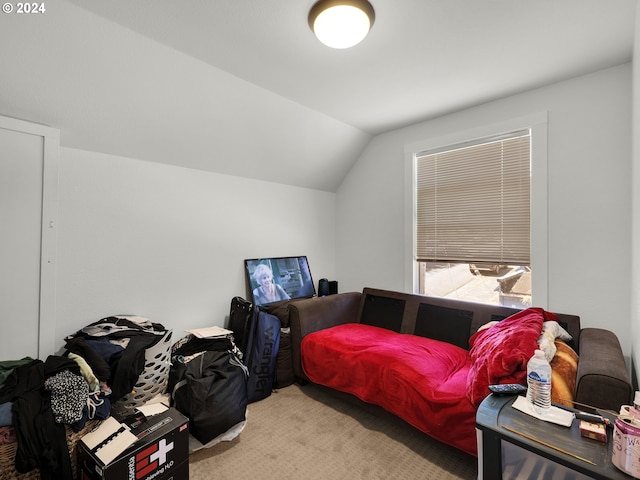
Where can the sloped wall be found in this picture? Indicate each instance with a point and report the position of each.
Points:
(168, 243)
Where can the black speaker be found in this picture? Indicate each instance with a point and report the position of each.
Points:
(323, 287)
(327, 287)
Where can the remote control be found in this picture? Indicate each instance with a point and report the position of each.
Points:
(507, 389)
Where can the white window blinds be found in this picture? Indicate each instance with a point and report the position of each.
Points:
(473, 202)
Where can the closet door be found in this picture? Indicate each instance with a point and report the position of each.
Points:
(28, 197)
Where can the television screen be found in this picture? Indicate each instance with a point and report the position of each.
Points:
(275, 279)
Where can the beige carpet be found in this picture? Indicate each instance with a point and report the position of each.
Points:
(309, 433)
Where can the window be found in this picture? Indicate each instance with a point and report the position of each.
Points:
(473, 217)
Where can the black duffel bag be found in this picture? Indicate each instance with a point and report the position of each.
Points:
(211, 390)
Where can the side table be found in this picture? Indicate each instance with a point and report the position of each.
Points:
(505, 454)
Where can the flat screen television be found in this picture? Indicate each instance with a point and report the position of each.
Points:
(275, 279)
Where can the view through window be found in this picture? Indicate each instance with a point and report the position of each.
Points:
(473, 220)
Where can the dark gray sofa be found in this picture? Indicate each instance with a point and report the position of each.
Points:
(602, 377)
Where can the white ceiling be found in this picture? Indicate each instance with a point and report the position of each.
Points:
(242, 87)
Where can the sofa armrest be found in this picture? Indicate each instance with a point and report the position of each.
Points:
(313, 314)
(602, 380)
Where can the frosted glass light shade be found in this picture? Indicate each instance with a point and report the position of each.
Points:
(341, 24)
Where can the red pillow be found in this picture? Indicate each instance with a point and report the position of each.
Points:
(500, 353)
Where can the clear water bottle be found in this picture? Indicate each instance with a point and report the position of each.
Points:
(539, 382)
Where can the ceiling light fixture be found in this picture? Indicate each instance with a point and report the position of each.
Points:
(341, 23)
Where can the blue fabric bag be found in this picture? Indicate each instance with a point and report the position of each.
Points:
(262, 354)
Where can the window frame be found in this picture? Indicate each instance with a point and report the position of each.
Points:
(537, 123)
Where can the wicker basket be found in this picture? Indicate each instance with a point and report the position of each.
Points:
(8, 455)
(151, 382)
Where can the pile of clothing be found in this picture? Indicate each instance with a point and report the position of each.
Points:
(99, 365)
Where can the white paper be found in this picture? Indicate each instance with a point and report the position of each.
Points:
(163, 398)
(209, 332)
(149, 410)
(554, 414)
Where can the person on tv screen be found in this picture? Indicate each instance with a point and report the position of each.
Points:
(267, 290)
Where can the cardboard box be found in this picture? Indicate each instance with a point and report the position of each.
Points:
(595, 431)
(160, 451)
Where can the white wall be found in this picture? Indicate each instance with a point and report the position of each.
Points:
(635, 213)
(168, 243)
(589, 197)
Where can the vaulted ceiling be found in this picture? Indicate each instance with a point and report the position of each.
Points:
(242, 87)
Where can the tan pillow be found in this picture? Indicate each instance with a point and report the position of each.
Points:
(564, 368)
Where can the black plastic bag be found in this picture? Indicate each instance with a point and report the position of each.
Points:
(211, 390)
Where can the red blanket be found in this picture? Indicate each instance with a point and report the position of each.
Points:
(421, 380)
(435, 386)
(500, 354)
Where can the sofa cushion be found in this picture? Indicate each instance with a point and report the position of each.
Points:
(451, 325)
(383, 312)
(499, 354)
